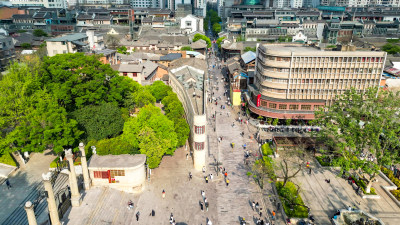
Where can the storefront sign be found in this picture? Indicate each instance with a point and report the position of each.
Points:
(258, 100)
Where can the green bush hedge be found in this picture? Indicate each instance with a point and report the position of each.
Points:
(396, 194)
(396, 181)
(289, 192)
(266, 149)
(390, 175)
(322, 160)
(7, 159)
(268, 163)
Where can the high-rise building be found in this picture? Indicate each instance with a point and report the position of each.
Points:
(292, 81)
(42, 3)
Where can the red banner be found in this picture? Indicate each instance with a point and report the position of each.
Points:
(258, 100)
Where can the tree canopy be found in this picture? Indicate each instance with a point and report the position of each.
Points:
(99, 121)
(359, 124)
(391, 48)
(219, 41)
(39, 33)
(204, 37)
(216, 28)
(77, 80)
(30, 117)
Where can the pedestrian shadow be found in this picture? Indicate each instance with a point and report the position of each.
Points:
(181, 223)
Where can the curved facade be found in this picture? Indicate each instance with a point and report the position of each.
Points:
(292, 81)
(194, 106)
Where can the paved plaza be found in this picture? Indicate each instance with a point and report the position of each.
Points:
(24, 183)
(324, 199)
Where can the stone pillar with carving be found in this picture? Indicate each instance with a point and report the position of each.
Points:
(85, 170)
(73, 183)
(51, 201)
(30, 213)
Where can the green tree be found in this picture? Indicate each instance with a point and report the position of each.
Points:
(391, 48)
(219, 41)
(144, 97)
(361, 122)
(186, 48)
(30, 118)
(275, 122)
(112, 146)
(26, 46)
(99, 121)
(39, 33)
(151, 146)
(216, 28)
(77, 80)
(122, 50)
(203, 37)
(151, 117)
(288, 122)
(159, 90)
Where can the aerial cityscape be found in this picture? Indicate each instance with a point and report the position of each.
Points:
(194, 112)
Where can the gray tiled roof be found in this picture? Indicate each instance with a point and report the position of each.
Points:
(70, 37)
(248, 56)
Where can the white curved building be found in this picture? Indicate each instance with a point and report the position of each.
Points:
(188, 83)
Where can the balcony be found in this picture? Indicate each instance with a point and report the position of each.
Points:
(280, 64)
(274, 94)
(269, 73)
(275, 85)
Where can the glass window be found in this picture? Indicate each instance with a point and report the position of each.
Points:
(272, 105)
(282, 106)
(305, 107)
(199, 129)
(293, 107)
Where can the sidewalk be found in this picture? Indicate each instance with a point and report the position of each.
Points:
(235, 200)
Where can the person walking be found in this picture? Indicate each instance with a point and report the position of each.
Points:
(206, 204)
(8, 184)
(227, 182)
(163, 193)
(190, 176)
(253, 205)
(273, 215)
(206, 179)
(257, 206)
(225, 174)
(204, 169)
(137, 215)
(203, 194)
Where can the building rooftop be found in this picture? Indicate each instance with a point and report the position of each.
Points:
(192, 79)
(116, 161)
(300, 50)
(199, 44)
(70, 37)
(105, 52)
(248, 56)
(171, 57)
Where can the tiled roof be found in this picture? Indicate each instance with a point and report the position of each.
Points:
(70, 37)
(171, 57)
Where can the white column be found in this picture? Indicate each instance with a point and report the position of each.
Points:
(30, 214)
(51, 201)
(85, 170)
(73, 183)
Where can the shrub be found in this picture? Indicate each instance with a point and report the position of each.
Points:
(7, 159)
(396, 193)
(53, 164)
(268, 163)
(266, 149)
(323, 160)
(292, 203)
(363, 186)
(248, 174)
(391, 176)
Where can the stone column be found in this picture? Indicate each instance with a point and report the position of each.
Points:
(51, 201)
(73, 183)
(30, 214)
(85, 170)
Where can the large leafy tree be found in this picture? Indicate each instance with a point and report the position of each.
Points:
(216, 28)
(159, 90)
(151, 116)
(30, 118)
(174, 111)
(359, 124)
(77, 80)
(99, 121)
(151, 146)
